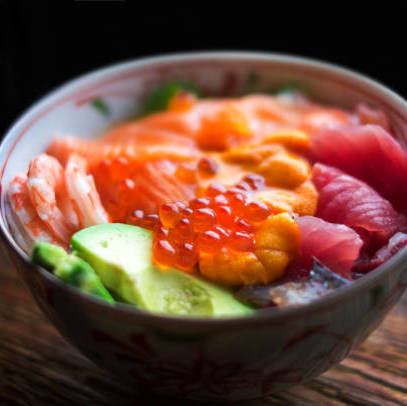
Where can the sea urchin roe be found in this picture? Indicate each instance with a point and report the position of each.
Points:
(223, 129)
(295, 139)
(285, 170)
(257, 259)
(277, 242)
(250, 155)
(302, 200)
(277, 165)
(232, 268)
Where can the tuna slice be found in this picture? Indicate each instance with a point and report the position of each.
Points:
(395, 244)
(334, 245)
(344, 199)
(369, 153)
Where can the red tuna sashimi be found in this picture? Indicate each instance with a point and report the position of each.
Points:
(369, 153)
(334, 245)
(346, 200)
(395, 244)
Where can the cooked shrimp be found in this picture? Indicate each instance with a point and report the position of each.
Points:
(83, 193)
(31, 225)
(46, 188)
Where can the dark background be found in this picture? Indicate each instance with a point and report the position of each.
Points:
(43, 44)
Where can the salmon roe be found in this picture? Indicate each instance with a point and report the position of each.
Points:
(222, 218)
(114, 181)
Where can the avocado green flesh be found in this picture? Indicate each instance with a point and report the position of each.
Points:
(48, 255)
(121, 256)
(71, 269)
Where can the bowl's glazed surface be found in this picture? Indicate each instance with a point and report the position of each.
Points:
(202, 358)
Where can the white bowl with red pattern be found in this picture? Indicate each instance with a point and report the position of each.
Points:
(229, 358)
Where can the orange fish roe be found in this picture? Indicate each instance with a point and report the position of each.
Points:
(228, 235)
(207, 167)
(223, 218)
(223, 129)
(169, 214)
(193, 172)
(187, 172)
(148, 221)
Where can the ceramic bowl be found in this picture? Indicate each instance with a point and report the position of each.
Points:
(229, 358)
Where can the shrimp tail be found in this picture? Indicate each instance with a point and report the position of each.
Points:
(83, 193)
(22, 217)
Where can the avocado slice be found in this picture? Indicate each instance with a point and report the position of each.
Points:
(71, 269)
(121, 256)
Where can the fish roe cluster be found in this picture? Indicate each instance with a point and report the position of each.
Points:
(192, 172)
(114, 181)
(223, 217)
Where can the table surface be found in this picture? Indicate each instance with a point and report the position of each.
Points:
(37, 366)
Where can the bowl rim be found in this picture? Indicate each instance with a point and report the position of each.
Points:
(265, 315)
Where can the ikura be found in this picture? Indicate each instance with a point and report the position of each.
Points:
(193, 172)
(148, 221)
(169, 214)
(222, 218)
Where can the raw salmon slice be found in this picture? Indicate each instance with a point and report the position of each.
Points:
(145, 147)
(128, 185)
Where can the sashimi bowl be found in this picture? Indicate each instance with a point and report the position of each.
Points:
(229, 358)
